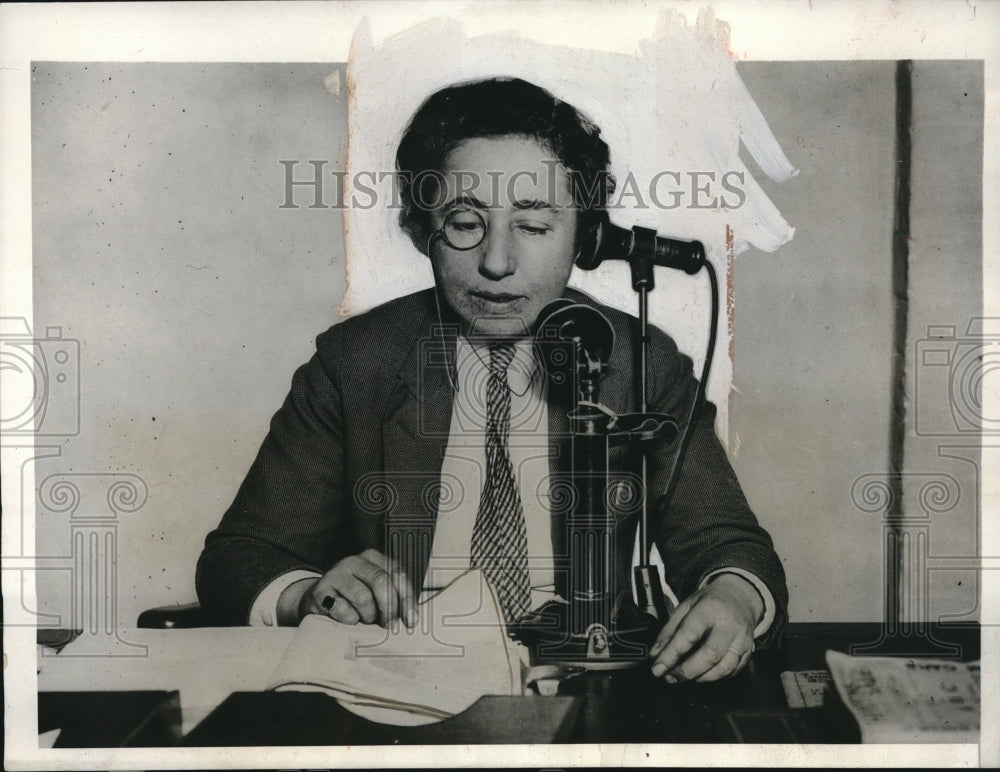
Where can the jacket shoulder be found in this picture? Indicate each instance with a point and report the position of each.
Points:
(380, 337)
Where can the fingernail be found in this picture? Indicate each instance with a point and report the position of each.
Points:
(670, 679)
(659, 669)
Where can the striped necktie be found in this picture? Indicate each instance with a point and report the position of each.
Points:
(499, 538)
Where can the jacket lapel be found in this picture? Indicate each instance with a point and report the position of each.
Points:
(414, 439)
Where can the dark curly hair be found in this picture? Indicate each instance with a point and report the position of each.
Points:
(499, 107)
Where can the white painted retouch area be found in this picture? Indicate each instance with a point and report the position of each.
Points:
(676, 105)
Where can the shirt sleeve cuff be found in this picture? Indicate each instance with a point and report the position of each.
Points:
(765, 594)
(264, 611)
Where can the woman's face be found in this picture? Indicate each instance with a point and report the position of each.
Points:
(511, 193)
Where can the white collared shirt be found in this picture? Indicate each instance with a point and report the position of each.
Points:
(465, 461)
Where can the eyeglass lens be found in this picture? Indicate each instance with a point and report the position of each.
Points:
(464, 229)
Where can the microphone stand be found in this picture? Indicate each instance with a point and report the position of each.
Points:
(649, 588)
(644, 249)
(596, 627)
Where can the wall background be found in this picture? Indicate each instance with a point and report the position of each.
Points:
(814, 338)
(160, 246)
(945, 371)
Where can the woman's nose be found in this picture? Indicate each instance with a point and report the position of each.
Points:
(497, 260)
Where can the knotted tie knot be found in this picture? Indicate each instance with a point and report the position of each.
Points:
(501, 355)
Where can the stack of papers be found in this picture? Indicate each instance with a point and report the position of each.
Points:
(457, 653)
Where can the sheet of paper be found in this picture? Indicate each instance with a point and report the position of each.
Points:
(48, 739)
(908, 700)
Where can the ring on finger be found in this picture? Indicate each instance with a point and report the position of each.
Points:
(328, 602)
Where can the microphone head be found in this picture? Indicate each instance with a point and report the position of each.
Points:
(564, 328)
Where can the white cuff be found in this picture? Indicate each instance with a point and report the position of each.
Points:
(264, 611)
(765, 594)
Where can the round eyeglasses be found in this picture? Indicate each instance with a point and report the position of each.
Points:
(463, 229)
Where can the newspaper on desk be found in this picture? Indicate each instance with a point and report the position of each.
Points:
(898, 700)
(457, 653)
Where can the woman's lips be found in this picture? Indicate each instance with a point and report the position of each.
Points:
(496, 298)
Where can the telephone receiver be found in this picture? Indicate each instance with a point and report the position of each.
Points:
(640, 247)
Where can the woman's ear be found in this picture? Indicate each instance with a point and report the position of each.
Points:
(416, 233)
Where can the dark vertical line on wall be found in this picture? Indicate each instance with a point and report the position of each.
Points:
(895, 611)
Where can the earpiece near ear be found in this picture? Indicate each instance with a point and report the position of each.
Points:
(587, 257)
(424, 247)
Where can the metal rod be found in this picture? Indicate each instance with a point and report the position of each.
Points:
(643, 351)
(895, 610)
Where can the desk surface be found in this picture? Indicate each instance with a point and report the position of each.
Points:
(610, 707)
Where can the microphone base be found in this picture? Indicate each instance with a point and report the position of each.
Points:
(623, 644)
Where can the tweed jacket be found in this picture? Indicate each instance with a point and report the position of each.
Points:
(353, 461)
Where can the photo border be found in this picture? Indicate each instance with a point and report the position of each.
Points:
(322, 32)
